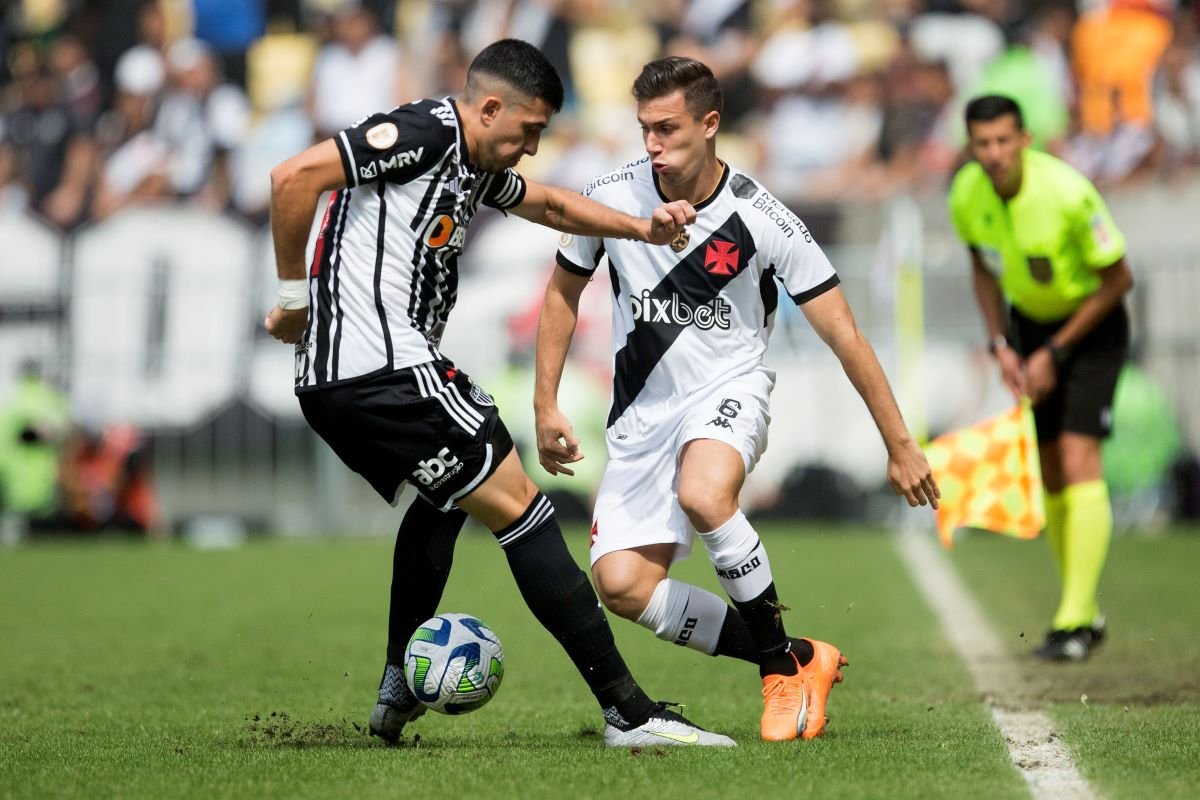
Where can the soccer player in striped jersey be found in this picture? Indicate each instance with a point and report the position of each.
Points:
(366, 322)
(690, 396)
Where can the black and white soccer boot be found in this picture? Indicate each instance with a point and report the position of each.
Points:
(1075, 644)
(664, 728)
(396, 707)
(1066, 645)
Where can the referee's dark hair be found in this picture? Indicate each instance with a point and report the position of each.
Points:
(520, 65)
(701, 92)
(993, 106)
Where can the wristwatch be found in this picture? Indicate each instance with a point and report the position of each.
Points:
(997, 343)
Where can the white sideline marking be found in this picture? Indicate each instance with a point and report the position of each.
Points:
(1034, 744)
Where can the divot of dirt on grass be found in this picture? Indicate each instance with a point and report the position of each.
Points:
(280, 729)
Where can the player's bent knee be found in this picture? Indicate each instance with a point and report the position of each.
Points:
(623, 592)
(704, 509)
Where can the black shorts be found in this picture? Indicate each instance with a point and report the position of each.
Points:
(430, 425)
(1083, 394)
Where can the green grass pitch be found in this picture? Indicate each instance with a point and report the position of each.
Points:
(158, 671)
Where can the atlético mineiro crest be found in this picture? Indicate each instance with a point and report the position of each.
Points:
(681, 240)
(721, 258)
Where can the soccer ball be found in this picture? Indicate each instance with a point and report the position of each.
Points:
(454, 663)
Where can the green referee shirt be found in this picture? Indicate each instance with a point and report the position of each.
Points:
(1046, 244)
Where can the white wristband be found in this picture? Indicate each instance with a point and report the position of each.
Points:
(293, 294)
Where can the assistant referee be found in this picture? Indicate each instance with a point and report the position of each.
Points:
(1043, 242)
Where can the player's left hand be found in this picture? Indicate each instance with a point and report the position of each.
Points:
(910, 476)
(668, 219)
(1041, 376)
(287, 326)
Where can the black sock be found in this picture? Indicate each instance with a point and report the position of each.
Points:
(764, 621)
(420, 567)
(735, 641)
(559, 595)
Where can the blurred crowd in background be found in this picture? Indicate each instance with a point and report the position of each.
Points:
(836, 105)
(108, 103)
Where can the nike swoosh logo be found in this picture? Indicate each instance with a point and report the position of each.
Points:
(691, 738)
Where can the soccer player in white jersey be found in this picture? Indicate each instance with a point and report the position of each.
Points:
(372, 382)
(690, 396)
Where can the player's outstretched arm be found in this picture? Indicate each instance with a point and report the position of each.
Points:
(908, 470)
(571, 212)
(296, 186)
(556, 440)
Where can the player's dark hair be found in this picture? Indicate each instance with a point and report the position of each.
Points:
(520, 65)
(701, 92)
(989, 107)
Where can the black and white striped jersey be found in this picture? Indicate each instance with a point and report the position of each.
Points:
(384, 274)
(698, 313)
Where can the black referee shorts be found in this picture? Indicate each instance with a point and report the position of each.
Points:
(1082, 398)
(430, 425)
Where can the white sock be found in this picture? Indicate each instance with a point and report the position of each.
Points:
(740, 558)
(686, 615)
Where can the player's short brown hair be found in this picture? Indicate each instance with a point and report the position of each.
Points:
(701, 92)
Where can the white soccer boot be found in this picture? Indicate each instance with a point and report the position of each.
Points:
(664, 728)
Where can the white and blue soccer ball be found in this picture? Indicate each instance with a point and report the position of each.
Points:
(454, 663)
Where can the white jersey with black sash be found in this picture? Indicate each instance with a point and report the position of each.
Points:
(698, 313)
(384, 275)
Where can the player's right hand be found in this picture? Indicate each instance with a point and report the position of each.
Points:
(287, 326)
(668, 219)
(556, 442)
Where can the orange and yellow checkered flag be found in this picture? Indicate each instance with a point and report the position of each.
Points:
(990, 477)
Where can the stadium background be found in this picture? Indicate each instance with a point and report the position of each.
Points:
(135, 262)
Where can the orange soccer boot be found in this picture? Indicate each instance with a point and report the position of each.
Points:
(821, 674)
(785, 705)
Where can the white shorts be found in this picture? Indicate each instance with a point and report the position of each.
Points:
(638, 500)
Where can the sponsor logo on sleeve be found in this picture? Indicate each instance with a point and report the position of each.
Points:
(787, 222)
(394, 161)
(605, 180)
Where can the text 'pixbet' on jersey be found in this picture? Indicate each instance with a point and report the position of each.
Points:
(674, 310)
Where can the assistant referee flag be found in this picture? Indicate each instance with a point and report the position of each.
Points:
(990, 477)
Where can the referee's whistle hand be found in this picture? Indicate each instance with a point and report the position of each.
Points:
(286, 326)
